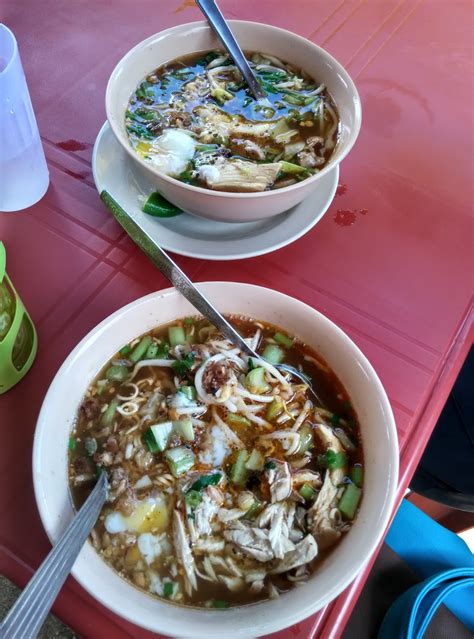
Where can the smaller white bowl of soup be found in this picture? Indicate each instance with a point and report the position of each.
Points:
(235, 497)
(181, 109)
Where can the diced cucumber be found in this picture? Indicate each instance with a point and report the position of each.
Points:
(275, 408)
(234, 419)
(273, 354)
(184, 428)
(161, 433)
(140, 349)
(281, 338)
(238, 472)
(255, 461)
(188, 391)
(180, 460)
(255, 381)
(176, 335)
(349, 501)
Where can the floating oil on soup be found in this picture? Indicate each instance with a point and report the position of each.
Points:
(228, 485)
(196, 120)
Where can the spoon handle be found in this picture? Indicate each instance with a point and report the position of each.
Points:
(174, 274)
(28, 613)
(219, 25)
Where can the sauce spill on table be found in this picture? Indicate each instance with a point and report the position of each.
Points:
(341, 189)
(347, 217)
(186, 4)
(73, 145)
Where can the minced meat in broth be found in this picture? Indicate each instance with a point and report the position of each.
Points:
(196, 120)
(228, 484)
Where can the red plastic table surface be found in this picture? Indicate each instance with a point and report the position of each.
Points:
(390, 263)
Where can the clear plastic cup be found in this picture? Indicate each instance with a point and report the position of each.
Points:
(24, 176)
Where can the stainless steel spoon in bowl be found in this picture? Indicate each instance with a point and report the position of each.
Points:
(183, 284)
(29, 611)
(222, 30)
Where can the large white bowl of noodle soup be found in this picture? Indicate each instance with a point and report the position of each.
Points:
(198, 36)
(379, 440)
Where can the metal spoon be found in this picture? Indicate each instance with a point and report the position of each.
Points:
(222, 30)
(28, 613)
(183, 284)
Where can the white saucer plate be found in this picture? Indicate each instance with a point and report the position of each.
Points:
(195, 236)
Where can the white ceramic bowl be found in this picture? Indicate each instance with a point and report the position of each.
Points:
(379, 442)
(252, 36)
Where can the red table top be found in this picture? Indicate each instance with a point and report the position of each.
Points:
(390, 263)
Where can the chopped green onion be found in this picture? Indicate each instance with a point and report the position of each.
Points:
(335, 419)
(163, 350)
(306, 439)
(270, 465)
(357, 475)
(255, 381)
(254, 509)
(193, 498)
(307, 492)
(108, 417)
(275, 408)
(125, 350)
(157, 206)
(184, 428)
(234, 419)
(220, 603)
(255, 461)
(72, 443)
(152, 351)
(250, 364)
(238, 472)
(176, 335)
(349, 501)
(335, 460)
(140, 349)
(273, 354)
(281, 338)
(188, 321)
(168, 589)
(206, 480)
(180, 460)
(118, 373)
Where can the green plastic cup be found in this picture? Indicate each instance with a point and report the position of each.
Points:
(18, 339)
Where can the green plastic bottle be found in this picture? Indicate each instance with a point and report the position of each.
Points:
(18, 339)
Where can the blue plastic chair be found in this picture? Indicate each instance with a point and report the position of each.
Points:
(444, 562)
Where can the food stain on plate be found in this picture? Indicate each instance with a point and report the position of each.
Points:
(341, 189)
(347, 217)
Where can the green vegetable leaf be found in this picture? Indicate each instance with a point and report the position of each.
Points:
(72, 443)
(168, 589)
(250, 364)
(204, 481)
(182, 366)
(220, 603)
(270, 465)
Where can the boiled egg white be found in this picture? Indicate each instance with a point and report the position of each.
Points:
(173, 150)
(149, 514)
